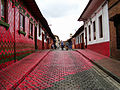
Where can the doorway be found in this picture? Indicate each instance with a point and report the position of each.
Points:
(82, 46)
(118, 36)
(42, 41)
(36, 38)
(86, 37)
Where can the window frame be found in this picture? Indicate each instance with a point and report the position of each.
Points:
(85, 32)
(45, 35)
(3, 10)
(4, 18)
(22, 25)
(40, 27)
(31, 29)
(100, 26)
(94, 30)
(78, 39)
(89, 32)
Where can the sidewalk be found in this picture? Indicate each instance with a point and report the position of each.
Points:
(14, 74)
(108, 65)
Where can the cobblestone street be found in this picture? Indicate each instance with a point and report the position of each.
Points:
(59, 44)
(67, 70)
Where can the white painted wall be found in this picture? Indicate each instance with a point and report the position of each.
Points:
(95, 17)
(80, 36)
(76, 38)
(40, 37)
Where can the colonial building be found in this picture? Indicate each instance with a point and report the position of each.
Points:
(114, 21)
(78, 39)
(23, 29)
(96, 26)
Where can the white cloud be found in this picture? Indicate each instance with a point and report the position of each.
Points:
(63, 15)
(64, 26)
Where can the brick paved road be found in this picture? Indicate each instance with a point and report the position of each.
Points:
(65, 70)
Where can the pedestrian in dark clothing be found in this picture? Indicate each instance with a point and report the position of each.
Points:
(62, 45)
(67, 45)
(52, 46)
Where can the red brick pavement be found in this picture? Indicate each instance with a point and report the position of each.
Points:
(14, 74)
(30, 74)
(53, 69)
(109, 64)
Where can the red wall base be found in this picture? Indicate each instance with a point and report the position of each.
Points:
(77, 46)
(80, 46)
(102, 48)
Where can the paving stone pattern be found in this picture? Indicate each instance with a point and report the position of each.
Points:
(12, 76)
(65, 70)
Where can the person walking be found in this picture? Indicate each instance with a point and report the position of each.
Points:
(62, 45)
(67, 45)
(52, 46)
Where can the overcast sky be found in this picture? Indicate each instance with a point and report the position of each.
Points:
(62, 15)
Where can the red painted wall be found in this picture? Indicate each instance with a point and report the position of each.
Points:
(77, 46)
(24, 44)
(6, 47)
(80, 46)
(7, 40)
(102, 48)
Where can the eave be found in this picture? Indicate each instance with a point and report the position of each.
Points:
(91, 7)
(35, 11)
(78, 31)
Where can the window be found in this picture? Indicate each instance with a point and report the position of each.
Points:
(22, 22)
(89, 33)
(2, 7)
(31, 29)
(78, 39)
(40, 30)
(4, 10)
(100, 27)
(85, 32)
(94, 30)
(45, 35)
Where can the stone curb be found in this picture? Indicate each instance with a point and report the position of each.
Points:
(102, 68)
(27, 73)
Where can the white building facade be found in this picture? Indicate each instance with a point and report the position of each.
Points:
(96, 26)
